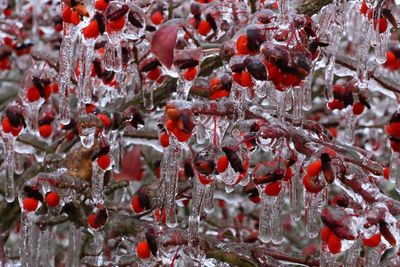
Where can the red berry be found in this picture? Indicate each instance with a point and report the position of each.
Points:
(135, 204)
(246, 79)
(91, 30)
(33, 94)
(6, 124)
(105, 119)
(386, 172)
(204, 179)
(325, 234)
(101, 5)
(373, 241)
(30, 204)
(181, 135)
(312, 184)
(103, 161)
(164, 140)
(45, 130)
(157, 18)
(242, 45)
(390, 58)
(335, 104)
(92, 221)
(358, 108)
(219, 94)
(75, 18)
(334, 244)
(154, 74)
(143, 250)
(52, 199)
(364, 8)
(314, 168)
(66, 14)
(222, 164)
(383, 23)
(288, 174)
(190, 73)
(393, 129)
(273, 189)
(333, 131)
(116, 25)
(204, 27)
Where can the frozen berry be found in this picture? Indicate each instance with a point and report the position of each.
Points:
(154, 74)
(222, 164)
(75, 18)
(105, 119)
(334, 244)
(386, 172)
(204, 27)
(143, 250)
(164, 139)
(157, 18)
(45, 130)
(373, 241)
(242, 45)
(273, 189)
(190, 73)
(104, 161)
(92, 222)
(135, 204)
(52, 199)
(383, 23)
(116, 25)
(33, 94)
(101, 5)
(358, 108)
(6, 125)
(92, 30)
(30, 204)
(312, 184)
(314, 168)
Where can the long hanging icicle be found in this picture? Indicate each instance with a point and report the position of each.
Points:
(209, 198)
(46, 249)
(276, 218)
(169, 171)
(372, 255)
(97, 183)
(194, 218)
(74, 245)
(84, 84)
(352, 254)
(336, 35)
(294, 192)
(312, 223)
(10, 160)
(264, 225)
(350, 126)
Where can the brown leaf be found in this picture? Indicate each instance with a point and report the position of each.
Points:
(131, 164)
(163, 43)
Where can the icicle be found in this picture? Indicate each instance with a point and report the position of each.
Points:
(98, 241)
(46, 248)
(113, 56)
(194, 218)
(200, 134)
(372, 255)
(19, 163)
(97, 183)
(209, 198)
(116, 148)
(352, 254)
(276, 218)
(312, 223)
(74, 245)
(66, 52)
(283, 13)
(84, 85)
(362, 55)
(171, 176)
(330, 66)
(297, 111)
(394, 174)
(381, 50)
(294, 193)
(327, 259)
(10, 158)
(148, 97)
(264, 224)
(183, 88)
(350, 125)
(29, 237)
(307, 92)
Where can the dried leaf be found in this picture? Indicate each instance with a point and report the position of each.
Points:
(163, 44)
(132, 164)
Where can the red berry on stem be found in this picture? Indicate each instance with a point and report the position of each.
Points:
(104, 161)
(6, 125)
(116, 25)
(143, 250)
(242, 45)
(204, 27)
(358, 108)
(105, 119)
(92, 222)
(190, 73)
(222, 164)
(45, 130)
(312, 184)
(273, 189)
(325, 234)
(92, 30)
(157, 18)
(373, 241)
(52, 199)
(66, 14)
(135, 204)
(314, 168)
(33, 94)
(154, 74)
(334, 244)
(101, 5)
(386, 172)
(383, 23)
(164, 139)
(75, 18)
(30, 204)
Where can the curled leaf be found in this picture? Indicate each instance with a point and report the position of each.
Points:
(163, 44)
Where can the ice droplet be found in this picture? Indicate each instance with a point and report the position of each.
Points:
(307, 93)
